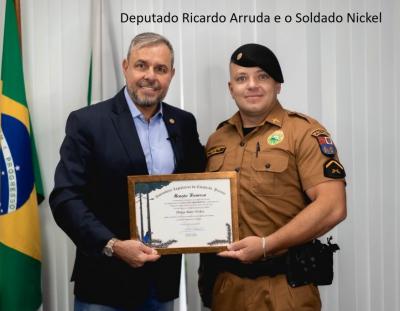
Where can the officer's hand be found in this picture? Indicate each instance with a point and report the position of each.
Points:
(246, 250)
(134, 253)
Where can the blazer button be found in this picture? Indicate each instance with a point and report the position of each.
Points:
(242, 144)
(267, 165)
(237, 169)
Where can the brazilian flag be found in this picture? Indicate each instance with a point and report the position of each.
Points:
(20, 251)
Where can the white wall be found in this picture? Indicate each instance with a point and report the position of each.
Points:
(345, 75)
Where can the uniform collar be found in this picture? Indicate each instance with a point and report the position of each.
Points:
(275, 117)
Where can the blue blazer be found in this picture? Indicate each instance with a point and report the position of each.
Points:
(90, 198)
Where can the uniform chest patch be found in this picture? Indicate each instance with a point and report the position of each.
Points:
(215, 150)
(333, 169)
(276, 137)
(326, 145)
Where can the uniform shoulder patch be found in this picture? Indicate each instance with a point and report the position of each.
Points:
(326, 146)
(325, 142)
(333, 169)
(215, 150)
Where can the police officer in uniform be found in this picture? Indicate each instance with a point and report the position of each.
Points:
(291, 191)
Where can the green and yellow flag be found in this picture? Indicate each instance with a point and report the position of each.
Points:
(21, 188)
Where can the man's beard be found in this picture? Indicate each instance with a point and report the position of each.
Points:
(146, 101)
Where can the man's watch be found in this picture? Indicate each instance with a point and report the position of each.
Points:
(108, 250)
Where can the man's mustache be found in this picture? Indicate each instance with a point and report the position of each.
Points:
(146, 83)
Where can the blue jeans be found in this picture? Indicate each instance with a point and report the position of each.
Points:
(151, 304)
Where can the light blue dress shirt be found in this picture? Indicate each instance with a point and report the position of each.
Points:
(153, 137)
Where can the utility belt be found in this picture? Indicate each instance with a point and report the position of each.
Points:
(310, 263)
(269, 267)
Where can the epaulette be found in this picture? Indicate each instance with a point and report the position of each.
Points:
(301, 115)
(222, 124)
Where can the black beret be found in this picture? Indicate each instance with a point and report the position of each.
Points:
(256, 55)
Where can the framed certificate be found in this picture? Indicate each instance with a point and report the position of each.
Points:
(184, 213)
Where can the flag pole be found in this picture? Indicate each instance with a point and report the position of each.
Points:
(17, 4)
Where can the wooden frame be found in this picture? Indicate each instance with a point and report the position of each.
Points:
(193, 213)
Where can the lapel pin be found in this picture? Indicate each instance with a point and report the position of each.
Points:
(171, 121)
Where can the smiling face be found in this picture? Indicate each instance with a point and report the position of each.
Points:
(253, 90)
(148, 73)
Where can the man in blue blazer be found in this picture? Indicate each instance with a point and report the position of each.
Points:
(133, 133)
